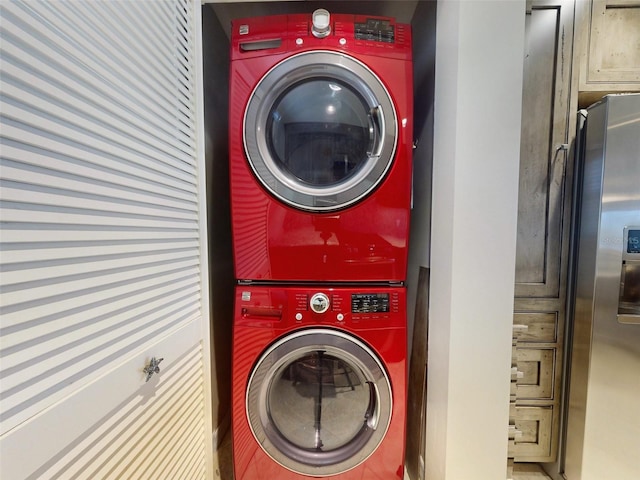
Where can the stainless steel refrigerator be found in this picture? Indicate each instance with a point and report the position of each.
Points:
(603, 422)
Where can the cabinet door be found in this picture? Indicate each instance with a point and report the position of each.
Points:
(545, 129)
(543, 219)
(611, 57)
(103, 263)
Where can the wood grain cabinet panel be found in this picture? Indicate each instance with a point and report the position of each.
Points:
(536, 369)
(542, 155)
(532, 439)
(611, 59)
(546, 168)
(540, 326)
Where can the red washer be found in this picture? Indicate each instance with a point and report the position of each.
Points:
(319, 379)
(320, 148)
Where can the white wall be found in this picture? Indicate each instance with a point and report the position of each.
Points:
(475, 179)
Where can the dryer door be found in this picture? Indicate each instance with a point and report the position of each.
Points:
(319, 402)
(320, 131)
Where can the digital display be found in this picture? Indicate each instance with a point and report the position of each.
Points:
(633, 241)
(370, 303)
(375, 30)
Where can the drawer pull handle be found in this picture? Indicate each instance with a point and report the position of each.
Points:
(516, 374)
(152, 368)
(517, 328)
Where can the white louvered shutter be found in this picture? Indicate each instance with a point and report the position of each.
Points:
(103, 258)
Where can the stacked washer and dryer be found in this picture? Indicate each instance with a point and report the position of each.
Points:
(320, 151)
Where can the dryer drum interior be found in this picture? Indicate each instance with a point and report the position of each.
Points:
(320, 131)
(319, 402)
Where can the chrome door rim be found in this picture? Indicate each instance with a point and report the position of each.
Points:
(274, 359)
(289, 72)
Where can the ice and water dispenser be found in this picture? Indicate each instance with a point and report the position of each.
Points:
(629, 299)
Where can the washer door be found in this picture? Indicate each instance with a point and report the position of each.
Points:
(319, 402)
(320, 131)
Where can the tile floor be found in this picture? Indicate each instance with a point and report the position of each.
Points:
(223, 461)
(528, 471)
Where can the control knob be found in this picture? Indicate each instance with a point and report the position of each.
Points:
(319, 303)
(320, 23)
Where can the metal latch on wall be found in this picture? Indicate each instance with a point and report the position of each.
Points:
(152, 368)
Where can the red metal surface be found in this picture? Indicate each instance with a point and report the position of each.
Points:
(365, 242)
(385, 334)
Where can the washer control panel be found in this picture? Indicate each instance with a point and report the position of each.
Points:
(343, 305)
(370, 303)
(368, 306)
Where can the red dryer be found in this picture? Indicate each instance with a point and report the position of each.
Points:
(320, 148)
(319, 380)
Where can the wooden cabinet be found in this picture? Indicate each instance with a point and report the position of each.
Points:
(538, 393)
(543, 219)
(545, 130)
(608, 47)
(557, 79)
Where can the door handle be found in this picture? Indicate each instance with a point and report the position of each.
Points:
(152, 368)
(376, 131)
(372, 415)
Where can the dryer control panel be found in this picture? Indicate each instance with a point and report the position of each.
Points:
(321, 29)
(375, 30)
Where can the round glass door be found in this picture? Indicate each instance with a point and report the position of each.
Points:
(319, 402)
(320, 131)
